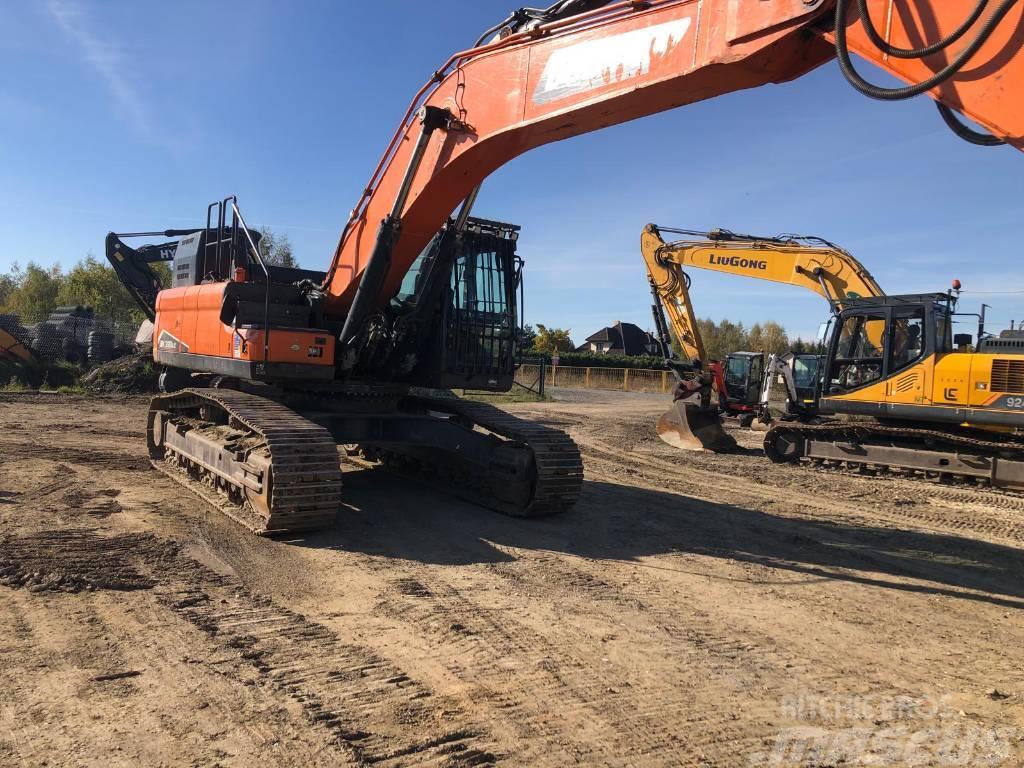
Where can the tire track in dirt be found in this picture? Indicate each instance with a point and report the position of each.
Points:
(737, 489)
(77, 560)
(934, 505)
(377, 714)
(716, 644)
(825, 508)
(376, 711)
(14, 450)
(546, 689)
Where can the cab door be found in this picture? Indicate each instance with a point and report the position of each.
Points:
(908, 379)
(856, 369)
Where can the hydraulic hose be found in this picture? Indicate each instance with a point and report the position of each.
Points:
(966, 132)
(916, 53)
(908, 91)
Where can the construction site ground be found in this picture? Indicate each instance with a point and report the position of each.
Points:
(693, 609)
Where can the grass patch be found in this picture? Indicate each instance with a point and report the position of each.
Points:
(18, 376)
(516, 395)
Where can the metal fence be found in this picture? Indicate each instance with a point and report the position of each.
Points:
(621, 379)
(73, 334)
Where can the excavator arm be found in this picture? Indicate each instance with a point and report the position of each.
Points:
(133, 265)
(806, 262)
(536, 83)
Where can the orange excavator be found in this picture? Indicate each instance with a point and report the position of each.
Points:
(268, 371)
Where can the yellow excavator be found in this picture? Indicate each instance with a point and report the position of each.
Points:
(692, 423)
(940, 404)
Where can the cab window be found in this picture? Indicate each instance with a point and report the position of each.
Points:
(736, 370)
(859, 358)
(804, 372)
(906, 344)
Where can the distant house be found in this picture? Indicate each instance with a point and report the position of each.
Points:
(621, 339)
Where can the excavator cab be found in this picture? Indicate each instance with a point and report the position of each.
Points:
(479, 311)
(876, 347)
(466, 288)
(741, 377)
(805, 379)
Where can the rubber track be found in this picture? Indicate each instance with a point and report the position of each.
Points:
(306, 471)
(870, 433)
(557, 457)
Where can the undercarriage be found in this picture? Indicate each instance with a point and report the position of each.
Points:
(966, 456)
(273, 464)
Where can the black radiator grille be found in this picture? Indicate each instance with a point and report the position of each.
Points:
(1007, 376)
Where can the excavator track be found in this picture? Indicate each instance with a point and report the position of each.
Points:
(546, 484)
(256, 460)
(928, 453)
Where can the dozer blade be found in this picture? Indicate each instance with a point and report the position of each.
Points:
(692, 428)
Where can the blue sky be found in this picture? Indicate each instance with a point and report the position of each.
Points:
(131, 116)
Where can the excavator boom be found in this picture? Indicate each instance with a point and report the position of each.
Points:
(805, 262)
(622, 61)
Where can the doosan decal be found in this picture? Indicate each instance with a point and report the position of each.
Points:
(737, 261)
(614, 59)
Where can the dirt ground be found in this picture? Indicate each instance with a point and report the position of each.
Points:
(693, 609)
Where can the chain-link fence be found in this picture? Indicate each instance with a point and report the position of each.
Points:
(73, 334)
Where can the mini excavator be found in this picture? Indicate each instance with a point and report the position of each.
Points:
(267, 372)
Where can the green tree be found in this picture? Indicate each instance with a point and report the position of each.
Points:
(276, 249)
(801, 347)
(552, 340)
(7, 289)
(94, 284)
(527, 337)
(770, 337)
(721, 338)
(35, 292)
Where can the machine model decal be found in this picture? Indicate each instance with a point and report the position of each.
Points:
(168, 343)
(612, 59)
(1009, 402)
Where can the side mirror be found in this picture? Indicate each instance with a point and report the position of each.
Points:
(963, 340)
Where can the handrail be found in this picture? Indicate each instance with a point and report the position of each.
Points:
(259, 260)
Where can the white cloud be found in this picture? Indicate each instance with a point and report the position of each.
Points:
(108, 62)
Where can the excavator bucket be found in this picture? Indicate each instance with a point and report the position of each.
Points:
(688, 426)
